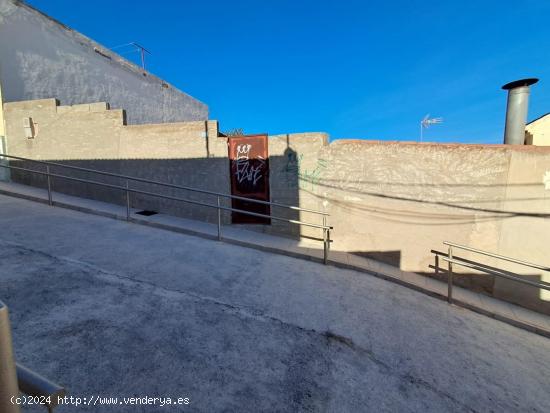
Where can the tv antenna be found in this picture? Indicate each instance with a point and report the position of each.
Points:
(142, 50)
(426, 122)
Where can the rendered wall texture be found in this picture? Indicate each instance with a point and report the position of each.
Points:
(390, 201)
(396, 201)
(40, 58)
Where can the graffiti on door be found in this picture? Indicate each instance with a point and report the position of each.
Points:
(249, 172)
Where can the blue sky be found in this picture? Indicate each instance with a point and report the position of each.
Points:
(354, 69)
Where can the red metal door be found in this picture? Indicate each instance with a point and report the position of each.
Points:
(249, 172)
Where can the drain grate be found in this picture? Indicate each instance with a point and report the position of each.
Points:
(147, 213)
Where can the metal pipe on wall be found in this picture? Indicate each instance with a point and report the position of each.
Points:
(8, 376)
(516, 110)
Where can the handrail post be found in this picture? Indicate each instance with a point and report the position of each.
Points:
(325, 249)
(50, 199)
(127, 201)
(219, 220)
(450, 276)
(8, 376)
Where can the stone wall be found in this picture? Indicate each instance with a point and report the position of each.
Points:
(41, 58)
(391, 201)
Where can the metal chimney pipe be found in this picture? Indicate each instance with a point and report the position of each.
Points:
(516, 110)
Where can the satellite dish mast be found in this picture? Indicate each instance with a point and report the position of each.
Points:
(426, 122)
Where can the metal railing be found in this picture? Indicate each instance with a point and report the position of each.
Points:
(128, 190)
(450, 259)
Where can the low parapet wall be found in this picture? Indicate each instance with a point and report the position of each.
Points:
(391, 201)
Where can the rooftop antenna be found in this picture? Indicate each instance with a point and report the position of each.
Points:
(142, 50)
(426, 122)
(139, 48)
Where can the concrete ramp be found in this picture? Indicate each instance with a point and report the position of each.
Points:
(125, 311)
(303, 248)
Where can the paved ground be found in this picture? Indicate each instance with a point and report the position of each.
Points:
(304, 248)
(114, 309)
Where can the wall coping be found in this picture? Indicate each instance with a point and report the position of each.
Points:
(522, 148)
(54, 103)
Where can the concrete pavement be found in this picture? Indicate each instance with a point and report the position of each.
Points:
(303, 248)
(109, 308)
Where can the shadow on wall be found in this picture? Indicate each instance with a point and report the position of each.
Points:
(210, 174)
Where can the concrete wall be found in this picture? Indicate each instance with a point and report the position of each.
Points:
(525, 232)
(40, 58)
(390, 201)
(92, 136)
(537, 132)
(397, 201)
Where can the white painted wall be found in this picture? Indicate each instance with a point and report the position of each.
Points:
(40, 58)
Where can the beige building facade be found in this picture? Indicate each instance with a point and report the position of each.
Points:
(537, 132)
